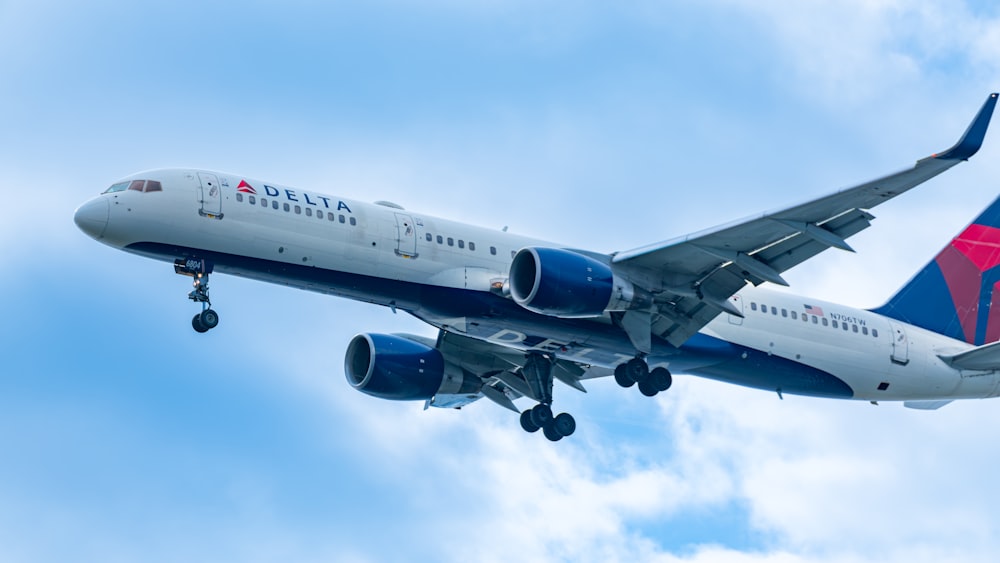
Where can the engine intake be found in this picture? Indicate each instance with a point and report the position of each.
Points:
(563, 283)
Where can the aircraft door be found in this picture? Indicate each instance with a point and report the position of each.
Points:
(900, 344)
(736, 301)
(406, 236)
(210, 193)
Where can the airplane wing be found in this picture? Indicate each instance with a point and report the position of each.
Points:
(501, 368)
(693, 277)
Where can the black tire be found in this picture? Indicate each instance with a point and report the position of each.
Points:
(647, 388)
(661, 379)
(196, 324)
(564, 423)
(637, 370)
(209, 319)
(622, 378)
(541, 415)
(551, 433)
(526, 422)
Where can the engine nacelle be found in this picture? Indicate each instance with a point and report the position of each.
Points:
(398, 368)
(563, 283)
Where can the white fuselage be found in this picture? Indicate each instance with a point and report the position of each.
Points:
(450, 274)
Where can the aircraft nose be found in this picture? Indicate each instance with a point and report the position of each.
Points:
(92, 217)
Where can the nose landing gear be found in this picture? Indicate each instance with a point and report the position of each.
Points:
(207, 319)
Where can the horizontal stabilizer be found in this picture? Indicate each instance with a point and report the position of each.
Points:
(986, 357)
(925, 405)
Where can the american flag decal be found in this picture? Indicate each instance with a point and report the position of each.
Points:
(814, 310)
(245, 188)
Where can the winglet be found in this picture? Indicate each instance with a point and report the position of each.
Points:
(970, 142)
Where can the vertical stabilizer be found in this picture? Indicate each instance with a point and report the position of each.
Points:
(958, 293)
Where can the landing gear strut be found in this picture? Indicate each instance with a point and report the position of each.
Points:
(538, 373)
(637, 370)
(207, 319)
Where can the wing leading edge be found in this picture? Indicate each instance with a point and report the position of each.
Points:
(693, 277)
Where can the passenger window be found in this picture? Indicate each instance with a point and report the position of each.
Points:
(120, 186)
(784, 313)
(875, 332)
(774, 310)
(763, 308)
(309, 212)
(287, 207)
(429, 237)
(461, 243)
(440, 239)
(153, 186)
(451, 241)
(844, 326)
(815, 319)
(137, 185)
(864, 330)
(854, 328)
(493, 250)
(239, 197)
(343, 219)
(472, 246)
(826, 322)
(354, 221)
(834, 324)
(795, 316)
(263, 202)
(753, 306)
(253, 200)
(274, 204)
(298, 210)
(330, 216)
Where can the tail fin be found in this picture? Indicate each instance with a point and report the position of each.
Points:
(958, 293)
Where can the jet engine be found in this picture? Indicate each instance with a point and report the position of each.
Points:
(563, 283)
(399, 368)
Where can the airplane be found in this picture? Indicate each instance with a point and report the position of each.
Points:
(514, 314)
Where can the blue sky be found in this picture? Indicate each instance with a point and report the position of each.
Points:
(125, 436)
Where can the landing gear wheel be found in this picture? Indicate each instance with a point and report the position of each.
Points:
(527, 424)
(209, 319)
(551, 433)
(660, 378)
(648, 389)
(197, 325)
(541, 415)
(622, 378)
(637, 370)
(564, 424)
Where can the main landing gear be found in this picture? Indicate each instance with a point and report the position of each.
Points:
(207, 319)
(637, 370)
(538, 373)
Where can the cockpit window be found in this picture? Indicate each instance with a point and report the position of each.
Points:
(136, 185)
(120, 186)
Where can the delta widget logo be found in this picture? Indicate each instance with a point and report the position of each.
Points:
(970, 269)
